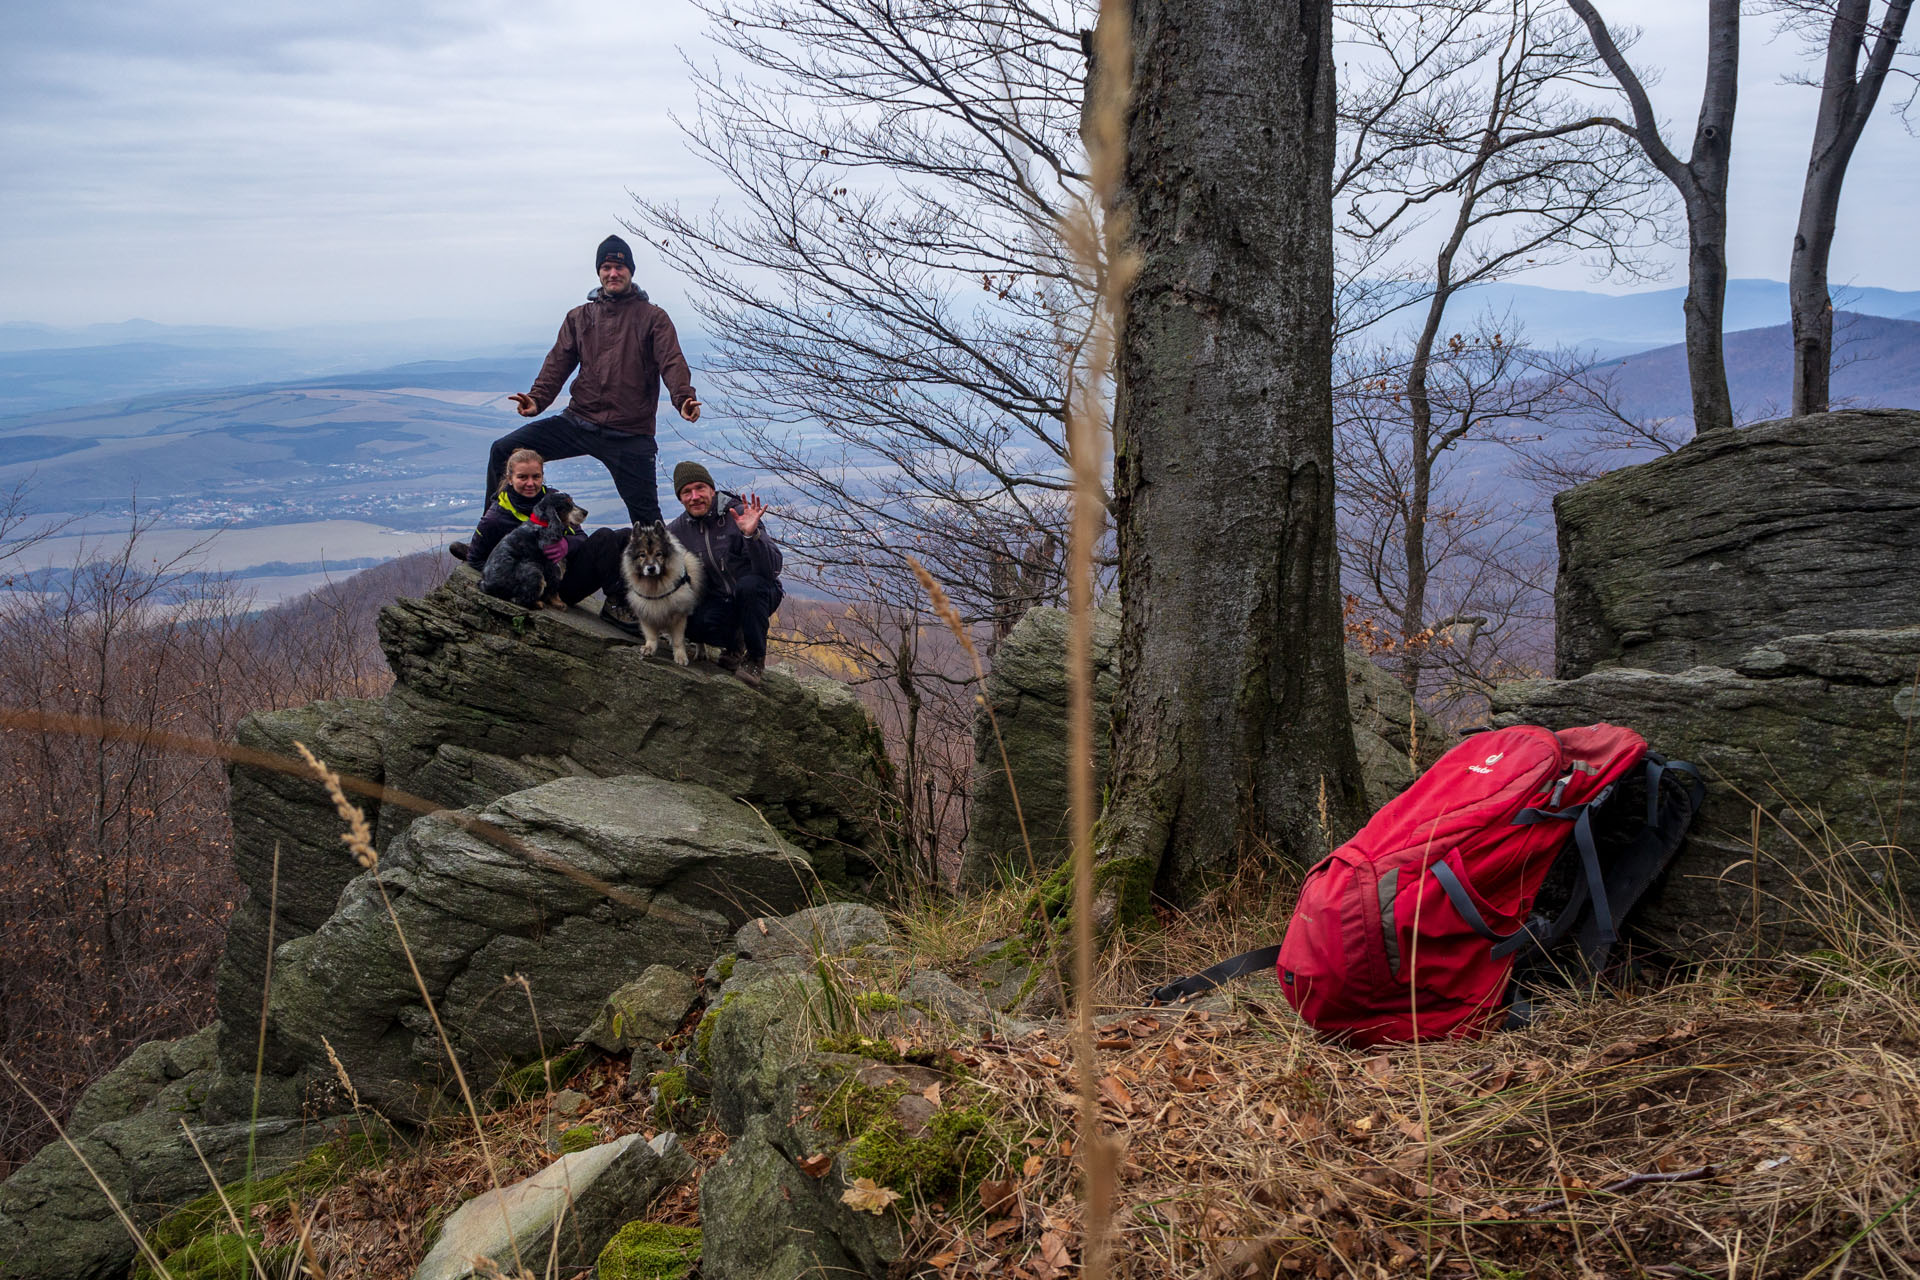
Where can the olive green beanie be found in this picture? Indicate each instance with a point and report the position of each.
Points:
(687, 473)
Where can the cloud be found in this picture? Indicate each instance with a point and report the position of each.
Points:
(245, 164)
(280, 163)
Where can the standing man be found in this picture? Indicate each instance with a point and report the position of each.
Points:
(624, 347)
(743, 570)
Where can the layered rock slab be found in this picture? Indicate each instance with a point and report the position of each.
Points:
(577, 886)
(286, 844)
(1815, 731)
(1798, 526)
(490, 698)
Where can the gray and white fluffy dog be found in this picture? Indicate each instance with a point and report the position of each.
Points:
(519, 568)
(664, 581)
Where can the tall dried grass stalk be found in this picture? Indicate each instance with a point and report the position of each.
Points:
(112, 730)
(356, 830)
(1097, 238)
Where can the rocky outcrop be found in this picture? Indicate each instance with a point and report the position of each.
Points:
(557, 816)
(577, 886)
(1798, 526)
(562, 1216)
(1814, 730)
(55, 1224)
(490, 698)
(1026, 692)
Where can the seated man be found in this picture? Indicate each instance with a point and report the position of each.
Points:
(743, 570)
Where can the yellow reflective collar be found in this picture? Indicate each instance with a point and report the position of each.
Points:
(506, 500)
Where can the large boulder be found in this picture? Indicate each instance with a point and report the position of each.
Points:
(1813, 730)
(577, 886)
(1787, 528)
(490, 698)
(279, 810)
(1026, 694)
(55, 1224)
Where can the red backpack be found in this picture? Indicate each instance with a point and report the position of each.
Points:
(1410, 930)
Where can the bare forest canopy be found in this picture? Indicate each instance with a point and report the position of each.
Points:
(117, 883)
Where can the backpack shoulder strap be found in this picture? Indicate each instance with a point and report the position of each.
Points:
(1207, 979)
(1604, 895)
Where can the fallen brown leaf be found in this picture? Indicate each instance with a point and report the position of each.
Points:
(869, 1196)
(999, 1195)
(816, 1166)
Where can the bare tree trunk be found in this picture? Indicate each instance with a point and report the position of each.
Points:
(1702, 183)
(1845, 104)
(1231, 723)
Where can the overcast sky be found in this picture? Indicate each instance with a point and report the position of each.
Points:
(289, 162)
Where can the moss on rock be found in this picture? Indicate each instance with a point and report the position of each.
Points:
(204, 1217)
(578, 1138)
(852, 1042)
(877, 1002)
(532, 1080)
(650, 1251)
(703, 1034)
(1122, 895)
(220, 1256)
(960, 1144)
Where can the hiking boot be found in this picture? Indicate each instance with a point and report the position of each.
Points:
(621, 615)
(749, 672)
(458, 550)
(730, 660)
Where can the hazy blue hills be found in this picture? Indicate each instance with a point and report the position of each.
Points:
(1611, 324)
(402, 447)
(1877, 365)
(42, 367)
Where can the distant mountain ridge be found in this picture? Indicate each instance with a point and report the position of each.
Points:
(1876, 365)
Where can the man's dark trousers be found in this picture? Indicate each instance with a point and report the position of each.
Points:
(628, 457)
(721, 620)
(595, 566)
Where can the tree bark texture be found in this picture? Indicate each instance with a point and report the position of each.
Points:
(1701, 180)
(1845, 103)
(1231, 722)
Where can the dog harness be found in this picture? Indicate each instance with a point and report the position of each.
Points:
(684, 580)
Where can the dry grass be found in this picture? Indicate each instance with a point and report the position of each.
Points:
(376, 1224)
(1254, 1148)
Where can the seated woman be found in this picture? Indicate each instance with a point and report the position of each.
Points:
(592, 560)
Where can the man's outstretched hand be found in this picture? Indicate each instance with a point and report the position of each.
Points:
(690, 410)
(524, 403)
(748, 516)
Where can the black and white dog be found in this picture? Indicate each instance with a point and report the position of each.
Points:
(663, 585)
(521, 568)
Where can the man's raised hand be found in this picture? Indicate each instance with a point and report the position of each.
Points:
(748, 517)
(524, 403)
(690, 410)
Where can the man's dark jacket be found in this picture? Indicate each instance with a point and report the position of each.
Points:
(729, 554)
(623, 346)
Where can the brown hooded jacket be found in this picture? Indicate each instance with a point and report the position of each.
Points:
(623, 346)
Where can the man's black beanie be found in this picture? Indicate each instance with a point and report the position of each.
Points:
(613, 249)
